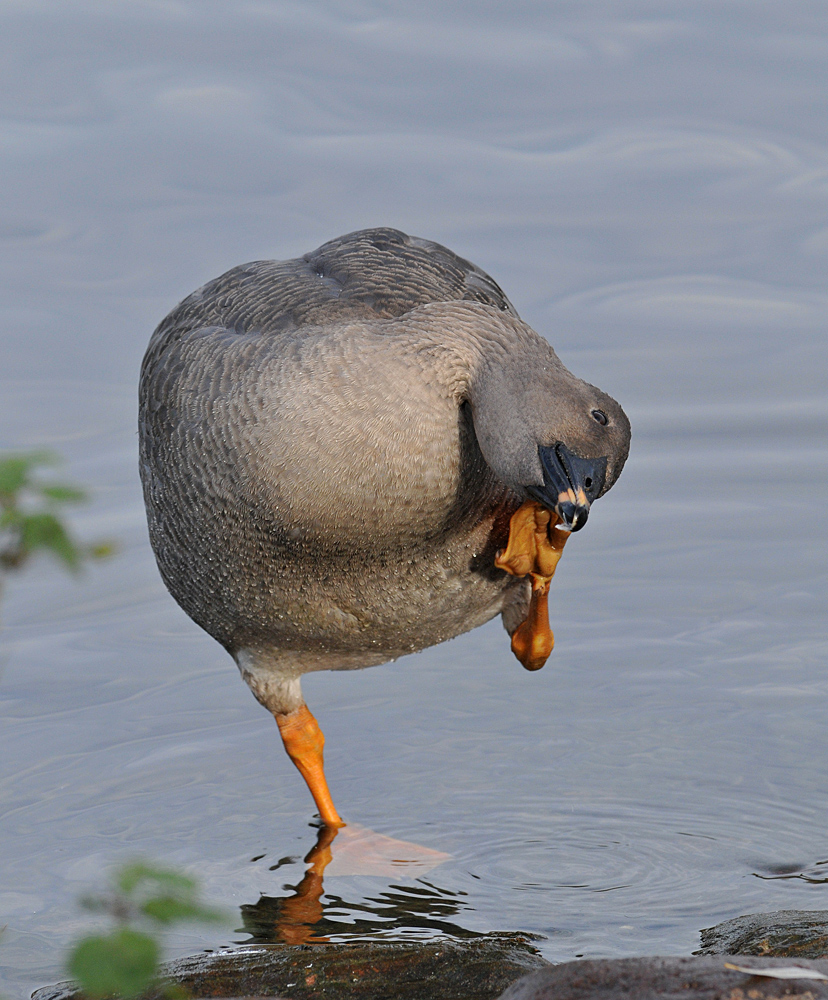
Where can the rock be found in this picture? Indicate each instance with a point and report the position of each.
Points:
(478, 969)
(688, 978)
(784, 933)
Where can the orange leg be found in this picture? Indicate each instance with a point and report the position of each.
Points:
(304, 741)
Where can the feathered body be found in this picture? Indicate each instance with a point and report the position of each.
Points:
(332, 447)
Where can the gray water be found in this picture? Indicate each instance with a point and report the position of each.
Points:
(648, 182)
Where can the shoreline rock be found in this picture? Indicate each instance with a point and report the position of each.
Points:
(447, 969)
(687, 978)
(482, 968)
(783, 933)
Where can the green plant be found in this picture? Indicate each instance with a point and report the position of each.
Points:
(143, 901)
(29, 514)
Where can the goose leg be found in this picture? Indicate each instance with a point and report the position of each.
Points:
(304, 741)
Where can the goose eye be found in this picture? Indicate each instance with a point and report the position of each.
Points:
(601, 417)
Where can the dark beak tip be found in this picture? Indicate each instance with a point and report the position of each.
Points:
(574, 516)
(564, 473)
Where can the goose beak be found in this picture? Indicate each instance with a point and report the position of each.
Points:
(573, 513)
(570, 484)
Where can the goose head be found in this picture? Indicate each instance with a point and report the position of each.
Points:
(548, 435)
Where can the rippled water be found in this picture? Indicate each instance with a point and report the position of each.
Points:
(648, 182)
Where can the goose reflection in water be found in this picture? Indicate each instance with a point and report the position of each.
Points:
(400, 911)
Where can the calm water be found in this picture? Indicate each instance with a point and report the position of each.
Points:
(649, 183)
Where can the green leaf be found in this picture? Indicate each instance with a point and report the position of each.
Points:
(10, 517)
(101, 550)
(15, 470)
(62, 494)
(124, 964)
(44, 531)
(169, 909)
(14, 474)
(131, 876)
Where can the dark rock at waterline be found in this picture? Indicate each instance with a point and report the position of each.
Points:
(783, 933)
(484, 967)
(437, 970)
(691, 978)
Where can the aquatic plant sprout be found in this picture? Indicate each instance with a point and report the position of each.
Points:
(143, 900)
(30, 509)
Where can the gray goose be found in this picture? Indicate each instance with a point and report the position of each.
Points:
(332, 449)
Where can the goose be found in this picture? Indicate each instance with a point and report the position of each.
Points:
(334, 451)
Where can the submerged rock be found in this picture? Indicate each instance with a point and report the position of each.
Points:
(783, 933)
(434, 970)
(692, 978)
